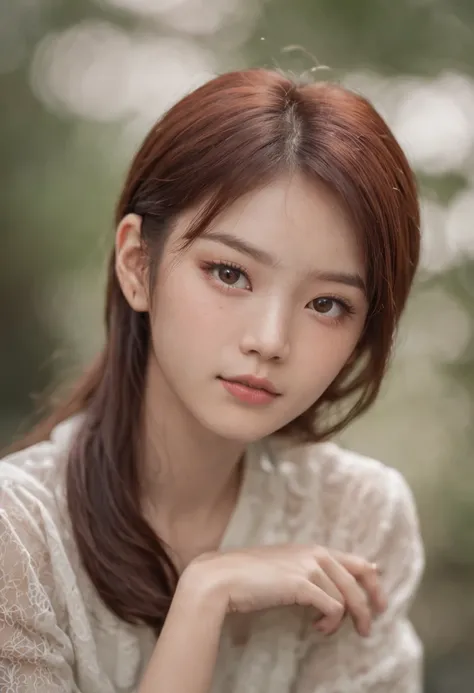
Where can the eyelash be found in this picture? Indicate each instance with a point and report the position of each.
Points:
(347, 308)
(209, 267)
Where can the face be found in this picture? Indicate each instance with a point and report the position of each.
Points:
(274, 290)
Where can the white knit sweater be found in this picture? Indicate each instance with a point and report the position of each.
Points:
(56, 635)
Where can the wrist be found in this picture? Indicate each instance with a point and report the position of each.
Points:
(199, 586)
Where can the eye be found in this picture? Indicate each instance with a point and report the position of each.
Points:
(231, 276)
(334, 308)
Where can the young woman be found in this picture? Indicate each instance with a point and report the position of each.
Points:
(181, 524)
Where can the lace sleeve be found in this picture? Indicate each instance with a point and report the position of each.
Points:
(390, 660)
(35, 653)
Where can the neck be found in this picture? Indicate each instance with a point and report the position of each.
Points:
(187, 470)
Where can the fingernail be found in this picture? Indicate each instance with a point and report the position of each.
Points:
(325, 631)
(322, 627)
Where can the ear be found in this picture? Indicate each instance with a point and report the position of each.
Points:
(130, 263)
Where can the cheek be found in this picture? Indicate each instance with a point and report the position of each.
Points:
(323, 354)
(188, 315)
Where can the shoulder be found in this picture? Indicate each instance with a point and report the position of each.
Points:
(342, 476)
(37, 468)
(32, 508)
(360, 489)
(35, 537)
(363, 505)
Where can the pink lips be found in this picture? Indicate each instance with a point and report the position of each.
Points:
(250, 389)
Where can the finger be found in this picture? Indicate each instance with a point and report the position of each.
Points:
(332, 609)
(370, 581)
(368, 574)
(321, 579)
(355, 597)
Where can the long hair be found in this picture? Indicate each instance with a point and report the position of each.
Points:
(233, 135)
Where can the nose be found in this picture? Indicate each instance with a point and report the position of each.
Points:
(267, 333)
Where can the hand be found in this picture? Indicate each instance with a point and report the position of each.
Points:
(271, 576)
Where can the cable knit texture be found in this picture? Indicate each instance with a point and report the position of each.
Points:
(56, 636)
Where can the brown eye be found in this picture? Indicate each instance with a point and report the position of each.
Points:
(323, 305)
(229, 275)
(334, 308)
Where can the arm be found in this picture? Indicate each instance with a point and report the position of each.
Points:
(390, 660)
(185, 654)
(35, 654)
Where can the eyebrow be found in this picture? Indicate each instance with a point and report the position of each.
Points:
(242, 246)
(353, 279)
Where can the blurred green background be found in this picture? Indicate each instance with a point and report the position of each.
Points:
(81, 82)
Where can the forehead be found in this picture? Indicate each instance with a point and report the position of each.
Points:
(297, 220)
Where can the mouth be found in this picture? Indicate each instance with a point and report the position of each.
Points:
(250, 390)
(253, 383)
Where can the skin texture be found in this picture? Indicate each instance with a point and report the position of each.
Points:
(262, 325)
(291, 311)
(249, 580)
(270, 321)
(272, 317)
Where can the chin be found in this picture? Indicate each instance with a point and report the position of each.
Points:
(243, 427)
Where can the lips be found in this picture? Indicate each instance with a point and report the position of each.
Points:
(255, 383)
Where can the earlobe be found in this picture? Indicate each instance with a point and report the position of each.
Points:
(130, 262)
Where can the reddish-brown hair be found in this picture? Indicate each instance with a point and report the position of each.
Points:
(230, 136)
